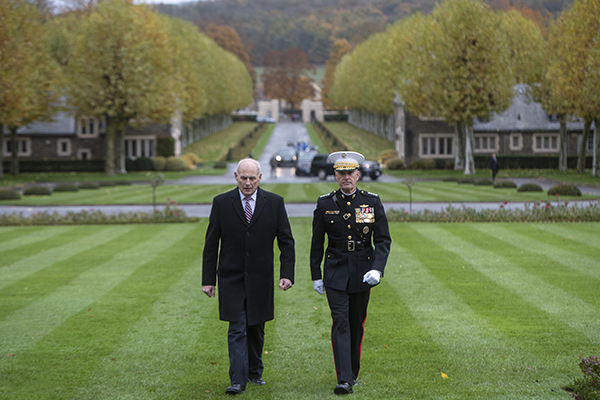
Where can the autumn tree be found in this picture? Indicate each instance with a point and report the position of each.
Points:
(285, 76)
(29, 77)
(120, 71)
(228, 39)
(573, 71)
(460, 69)
(339, 49)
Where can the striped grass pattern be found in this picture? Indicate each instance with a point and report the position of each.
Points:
(293, 193)
(465, 311)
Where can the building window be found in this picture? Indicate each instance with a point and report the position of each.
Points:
(515, 141)
(63, 147)
(485, 143)
(439, 146)
(590, 143)
(88, 127)
(545, 142)
(84, 154)
(142, 146)
(23, 147)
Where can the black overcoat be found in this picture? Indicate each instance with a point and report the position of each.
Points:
(244, 262)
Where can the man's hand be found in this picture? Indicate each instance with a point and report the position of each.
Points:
(318, 286)
(372, 277)
(285, 284)
(209, 290)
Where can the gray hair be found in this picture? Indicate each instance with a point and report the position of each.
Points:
(249, 159)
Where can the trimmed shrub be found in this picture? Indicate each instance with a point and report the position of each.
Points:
(530, 187)
(165, 146)
(159, 163)
(505, 185)
(9, 194)
(221, 164)
(462, 181)
(177, 164)
(426, 163)
(107, 183)
(394, 164)
(192, 158)
(484, 182)
(89, 185)
(37, 191)
(386, 156)
(143, 164)
(441, 163)
(65, 187)
(450, 179)
(564, 190)
(123, 183)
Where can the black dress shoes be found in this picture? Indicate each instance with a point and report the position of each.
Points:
(343, 388)
(257, 381)
(236, 388)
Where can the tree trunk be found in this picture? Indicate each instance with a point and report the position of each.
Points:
(459, 159)
(469, 159)
(14, 150)
(583, 146)
(109, 149)
(119, 151)
(562, 155)
(596, 162)
(1, 151)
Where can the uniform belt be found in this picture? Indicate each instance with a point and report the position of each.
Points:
(350, 245)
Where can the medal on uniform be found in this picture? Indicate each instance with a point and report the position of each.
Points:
(365, 215)
(346, 216)
(366, 230)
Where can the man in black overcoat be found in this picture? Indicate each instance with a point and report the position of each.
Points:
(494, 166)
(357, 250)
(245, 222)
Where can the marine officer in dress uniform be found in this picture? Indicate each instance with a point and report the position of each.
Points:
(357, 251)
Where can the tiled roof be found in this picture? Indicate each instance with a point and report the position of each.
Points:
(523, 116)
(61, 124)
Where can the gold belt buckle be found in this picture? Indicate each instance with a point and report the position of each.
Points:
(351, 245)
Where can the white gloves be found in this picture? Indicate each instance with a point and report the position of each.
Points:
(372, 277)
(318, 286)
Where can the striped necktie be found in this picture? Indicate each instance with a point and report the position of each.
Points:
(248, 208)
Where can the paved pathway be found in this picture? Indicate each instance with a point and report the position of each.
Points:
(284, 133)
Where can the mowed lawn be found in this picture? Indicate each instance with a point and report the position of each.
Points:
(293, 193)
(117, 312)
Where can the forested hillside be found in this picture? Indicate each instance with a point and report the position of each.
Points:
(313, 25)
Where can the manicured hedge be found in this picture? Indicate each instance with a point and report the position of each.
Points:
(37, 191)
(528, 162)
(165, 146)
(9, 194)
(564, 190)
(27, 165)
(530, 187)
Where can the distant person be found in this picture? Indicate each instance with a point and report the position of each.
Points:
(494, 166)
(273, 163)
(238, 257)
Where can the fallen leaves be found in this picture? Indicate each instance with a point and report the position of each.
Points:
(444, 376)
(10, 355)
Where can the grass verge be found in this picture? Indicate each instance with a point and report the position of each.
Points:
(447, 192)
(105, 312)
(368, 144)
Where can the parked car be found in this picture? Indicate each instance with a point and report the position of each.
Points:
(372, 169)
(304, 161)
(321, 167)
(286, 157)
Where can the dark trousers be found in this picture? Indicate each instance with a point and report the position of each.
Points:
(245, 344)
(349, 312)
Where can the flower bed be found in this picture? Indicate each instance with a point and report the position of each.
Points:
(171, 213)
(540, 212)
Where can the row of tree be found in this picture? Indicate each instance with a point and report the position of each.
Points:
(119, 62)
(463, 61)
